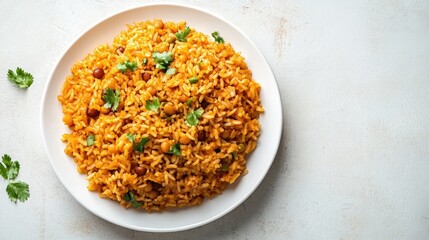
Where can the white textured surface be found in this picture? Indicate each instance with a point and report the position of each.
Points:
(354, 159)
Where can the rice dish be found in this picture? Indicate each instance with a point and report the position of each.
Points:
(163, 117)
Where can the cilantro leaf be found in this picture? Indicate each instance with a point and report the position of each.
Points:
(224, 167)
(127, 65)
(162, 60)
(170, 71)
(90, 140)
(21, 78)
(13, 170)
(129, 197)
(111, 98)
(189, 101)
(140, 146)
(131, 137)
(153, 105)
(3, 171)
(181, 35)
(217, 37)
(18, 191)
(9, 169)
(193, 80)
(175, 149)
(193, 116)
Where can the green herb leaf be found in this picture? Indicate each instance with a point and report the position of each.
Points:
(162, 60)
(137, 204)
(193, 116)
(175, 149)
(234, 155)
(153, 105)
(90, 140)
(170, 71)
(193, 80)
(144, 61)
(217, 37)
(131, 137)
(181, 35)
(140, 146)
(198, 113)
(18, 191)
(21, 78)
(129, 197)
(127, 65)
(9, 169)
(189, 102)
(111, 98)
(224, 167)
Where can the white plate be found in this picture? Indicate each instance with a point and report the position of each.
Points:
(258, 163)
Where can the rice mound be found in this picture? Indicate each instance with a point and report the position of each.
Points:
(212, 153)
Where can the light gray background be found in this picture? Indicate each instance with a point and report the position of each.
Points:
(354, 159)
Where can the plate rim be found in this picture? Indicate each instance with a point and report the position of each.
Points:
(252, 189)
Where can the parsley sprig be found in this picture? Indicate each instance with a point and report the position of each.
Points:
(181, 35)
(16, 190)
(112, 98)
(20, 78)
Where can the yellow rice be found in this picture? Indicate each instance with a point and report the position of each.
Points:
(230, 118)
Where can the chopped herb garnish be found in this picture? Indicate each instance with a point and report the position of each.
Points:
(193, 80)
(153, 105)
(189, 102)
(9, 170)
(144, 61)
(170, 71)
(111, 97)
(162, 60)
(129, 197)
(90, 140)
(127, 65)
(193, 116)
(217, 37)
(131, 137)
(181, 35)
(199, 113)
(224, 167)
(234, 155)
(139, 146)
(175, 149)
(21, 78)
